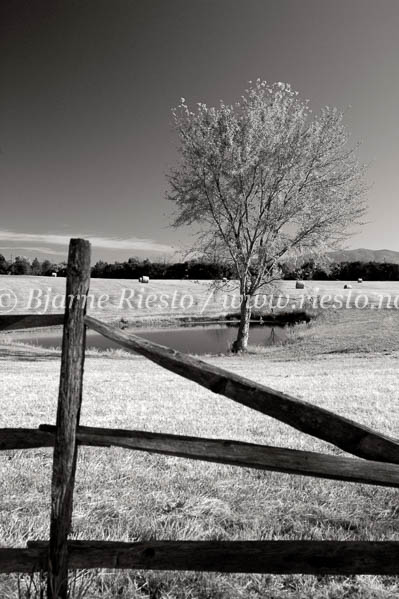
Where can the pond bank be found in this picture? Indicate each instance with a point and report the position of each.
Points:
(268, 318)
(331, 332)
(196, 339)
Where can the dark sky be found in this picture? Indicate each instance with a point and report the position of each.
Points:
(87, 87)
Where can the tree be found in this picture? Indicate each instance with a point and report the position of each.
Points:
(61, 269)
(47, 268)
(263, 180)
(36, 267)
(21, 266)
(3, 265)
(98, 269)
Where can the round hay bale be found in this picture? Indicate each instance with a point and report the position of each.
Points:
(299, 285)
(347, 286)
(123, 323)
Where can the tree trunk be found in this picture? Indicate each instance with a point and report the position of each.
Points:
(241, 343)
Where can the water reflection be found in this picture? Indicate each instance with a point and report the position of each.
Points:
(212, 339)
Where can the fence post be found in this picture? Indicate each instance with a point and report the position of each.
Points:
(68, 412)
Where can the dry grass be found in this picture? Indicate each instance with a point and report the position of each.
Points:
(130, 495)
(205, 300)
(343, 331)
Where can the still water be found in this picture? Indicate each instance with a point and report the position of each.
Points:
(210, 339)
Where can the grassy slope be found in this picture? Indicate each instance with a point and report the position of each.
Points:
(340, 332)
(347, 362)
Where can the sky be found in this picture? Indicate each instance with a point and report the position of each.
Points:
(87, 88)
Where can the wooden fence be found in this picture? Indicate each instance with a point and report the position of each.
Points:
(379, 466)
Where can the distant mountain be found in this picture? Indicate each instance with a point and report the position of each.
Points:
(364, 255)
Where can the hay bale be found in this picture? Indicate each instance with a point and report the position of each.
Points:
(123, 323)
(347, 286)
(360, 280)
(299, 285)
(145, 279)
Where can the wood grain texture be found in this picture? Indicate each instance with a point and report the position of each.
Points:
(346, 434)
(11, 322)
(68, 412)
(223, 451)
(272, 557)
(237, 453)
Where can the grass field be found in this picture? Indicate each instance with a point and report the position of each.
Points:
(346, 361)
(160, 299)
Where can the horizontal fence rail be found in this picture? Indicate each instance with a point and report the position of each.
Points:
(234, 453)
(12, 322)
(25, 438)
(272, 557)
(346, 434)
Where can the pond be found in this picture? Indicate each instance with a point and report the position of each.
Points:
(209, 339)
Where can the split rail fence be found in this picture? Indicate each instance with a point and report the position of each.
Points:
(379, 463)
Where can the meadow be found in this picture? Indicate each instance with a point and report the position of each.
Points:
(113, 299)
(346, 360)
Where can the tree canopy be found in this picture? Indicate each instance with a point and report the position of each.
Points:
(264, 180)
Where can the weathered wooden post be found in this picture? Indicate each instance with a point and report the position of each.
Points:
(68, 412)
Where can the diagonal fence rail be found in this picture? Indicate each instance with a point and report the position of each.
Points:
(223, 451)
(379, 464)
(344, 433)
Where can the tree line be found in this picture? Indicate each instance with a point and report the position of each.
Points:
(134, 268)
(345, 271)
(21, 265)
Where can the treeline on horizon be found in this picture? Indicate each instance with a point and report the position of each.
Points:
(134, 268)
